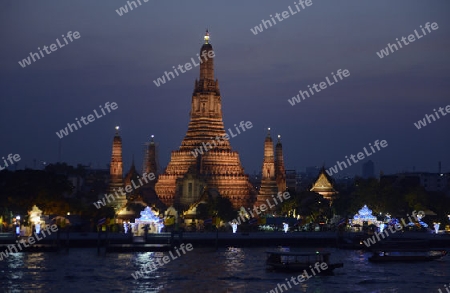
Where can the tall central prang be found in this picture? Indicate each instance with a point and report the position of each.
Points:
(191, 172)
(206, 109)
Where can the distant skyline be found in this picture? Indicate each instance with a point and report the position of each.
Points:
(116, 58)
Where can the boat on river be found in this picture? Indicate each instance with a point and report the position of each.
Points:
(406, 256)
(299, 261)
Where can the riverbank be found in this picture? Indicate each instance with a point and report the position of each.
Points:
(223, 239)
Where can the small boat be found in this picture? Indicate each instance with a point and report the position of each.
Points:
(299, 261)
(406, 256)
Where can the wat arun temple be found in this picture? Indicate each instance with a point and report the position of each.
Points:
(187, 178)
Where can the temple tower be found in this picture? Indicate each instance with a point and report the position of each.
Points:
(205, 159)
(150, 165)
(132, 179)
(279, 166)
(116, 168)
(268, 180)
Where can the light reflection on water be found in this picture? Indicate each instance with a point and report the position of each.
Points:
(206, 270)
(234, 259)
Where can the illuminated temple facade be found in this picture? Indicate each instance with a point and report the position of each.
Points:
(142, 192)
(216, 166)
(324, 186)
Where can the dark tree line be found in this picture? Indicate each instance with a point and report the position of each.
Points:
(50, 190)
(397, 198)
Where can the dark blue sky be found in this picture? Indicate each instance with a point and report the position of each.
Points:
(118, 57)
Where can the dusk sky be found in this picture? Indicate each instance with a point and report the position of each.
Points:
(116, 58)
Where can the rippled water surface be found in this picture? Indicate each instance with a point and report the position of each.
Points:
(207, 270)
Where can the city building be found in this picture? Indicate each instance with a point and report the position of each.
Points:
(434, 182)
(368, 169)
(292, 181)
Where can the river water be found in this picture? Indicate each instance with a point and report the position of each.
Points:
(207, 270)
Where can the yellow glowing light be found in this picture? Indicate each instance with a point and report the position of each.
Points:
(35, 220)
(206, 37)
(117, 127)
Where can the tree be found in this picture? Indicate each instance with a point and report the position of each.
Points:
(310, 205)
(417, 199)
(24, 188)
(314, 207)
(216, 206)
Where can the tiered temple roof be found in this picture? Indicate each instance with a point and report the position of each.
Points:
(205, 158)
(324, 186)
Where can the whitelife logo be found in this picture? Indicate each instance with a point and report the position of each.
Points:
(207, 146)
(319, 267)
(110, 197)
(31, 240)
(423, 123)
(165, 260)
(76, 35)
(12, 159)
(360, 156)
(411, 38)
(90, 118)
(323, 85)
(124, 9)
(188, 66)
(284, 14)
(246, 215)
(398, 227)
